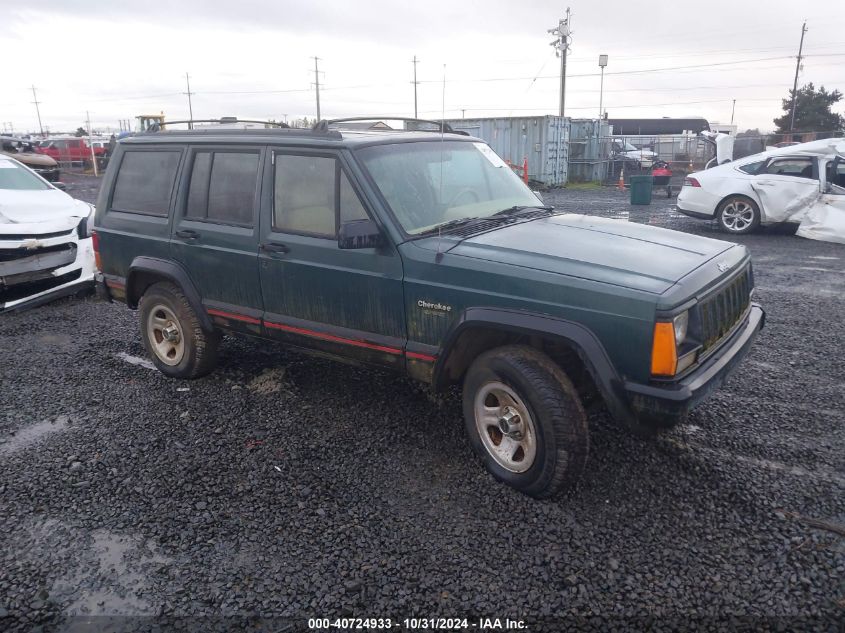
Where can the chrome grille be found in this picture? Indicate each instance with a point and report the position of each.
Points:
(721, 311)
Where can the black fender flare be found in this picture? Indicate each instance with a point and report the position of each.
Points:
(580, 338)
(172, 271)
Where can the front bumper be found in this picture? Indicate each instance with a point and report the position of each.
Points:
(32, 280)
(48, 173)
(668, 404)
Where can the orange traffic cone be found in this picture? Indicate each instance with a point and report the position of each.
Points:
(621, 184)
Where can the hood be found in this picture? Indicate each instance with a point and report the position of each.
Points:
(22, 209)
(616, 252)
(31, 159)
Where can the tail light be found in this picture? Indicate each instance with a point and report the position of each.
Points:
(691, 182)
(95, 240)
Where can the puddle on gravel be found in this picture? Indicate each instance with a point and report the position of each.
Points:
(135, 360)
(99, 572)
(29, 435)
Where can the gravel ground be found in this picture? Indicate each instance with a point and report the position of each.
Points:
(292, 487)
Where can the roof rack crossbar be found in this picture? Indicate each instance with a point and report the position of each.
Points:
(323, 124)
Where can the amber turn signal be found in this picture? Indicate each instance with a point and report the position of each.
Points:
(664, 356)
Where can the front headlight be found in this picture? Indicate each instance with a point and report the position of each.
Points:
(86, 224)
(681, 325)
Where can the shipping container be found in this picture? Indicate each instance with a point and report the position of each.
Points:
(542, 140)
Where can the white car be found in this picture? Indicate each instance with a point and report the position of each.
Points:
(782, 185)
(623, 150)
(46, 248)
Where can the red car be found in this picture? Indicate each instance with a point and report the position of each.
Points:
(69, 150)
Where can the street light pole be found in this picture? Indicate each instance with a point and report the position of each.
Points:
(602, 64)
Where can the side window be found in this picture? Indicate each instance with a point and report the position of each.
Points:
(222, 187)
(198, 189)
(752, 168)
(796, 167)
(350, 204)
(304, 195)
(145, 182)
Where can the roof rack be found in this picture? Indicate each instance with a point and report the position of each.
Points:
(156, 127)
(323, 124)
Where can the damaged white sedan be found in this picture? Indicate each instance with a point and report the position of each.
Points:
(46, 248)
(802, 184)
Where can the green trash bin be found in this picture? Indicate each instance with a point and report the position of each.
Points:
(641, 189)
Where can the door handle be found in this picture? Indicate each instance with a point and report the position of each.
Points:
(274, 247)
(188, 235)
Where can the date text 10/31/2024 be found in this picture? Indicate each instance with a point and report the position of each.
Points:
(413, 624)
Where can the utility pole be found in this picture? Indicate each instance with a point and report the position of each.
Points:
(416, 83)
(37, 111)
(561, 44)
(190, 106)
(795, 82)
(733, 109)
(90, 144)
(317, 84)
(602, 64)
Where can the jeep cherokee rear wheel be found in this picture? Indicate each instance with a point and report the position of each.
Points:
(172, 334)
(525, 420)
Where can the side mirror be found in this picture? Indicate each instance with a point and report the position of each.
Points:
(359, 234)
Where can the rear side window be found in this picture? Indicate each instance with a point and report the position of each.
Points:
(145, 182)
(752, 168)
(222, 187)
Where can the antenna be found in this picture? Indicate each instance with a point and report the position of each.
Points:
(439, 254)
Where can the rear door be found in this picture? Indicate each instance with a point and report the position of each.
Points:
(786, 186)
(215, 232)
(344, 302)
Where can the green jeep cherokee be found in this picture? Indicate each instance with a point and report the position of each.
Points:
(422, 251)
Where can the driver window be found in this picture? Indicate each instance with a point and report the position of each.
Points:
(836, 177)
(795, 167)
(304, 195)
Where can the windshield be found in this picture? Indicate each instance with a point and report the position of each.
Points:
(429, 183)
(13, 176)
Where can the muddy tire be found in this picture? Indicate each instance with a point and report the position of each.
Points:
(525, 420)
(738, 215)
(172, 335)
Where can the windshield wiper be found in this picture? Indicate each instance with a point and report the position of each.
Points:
(516, 209)
(452, 224)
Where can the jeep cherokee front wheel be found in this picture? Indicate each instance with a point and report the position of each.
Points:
(525, 420)
(172, 333)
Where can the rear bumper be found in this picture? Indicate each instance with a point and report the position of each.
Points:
(696, 202)
(669, 404)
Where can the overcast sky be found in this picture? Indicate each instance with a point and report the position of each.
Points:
(253, 58)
